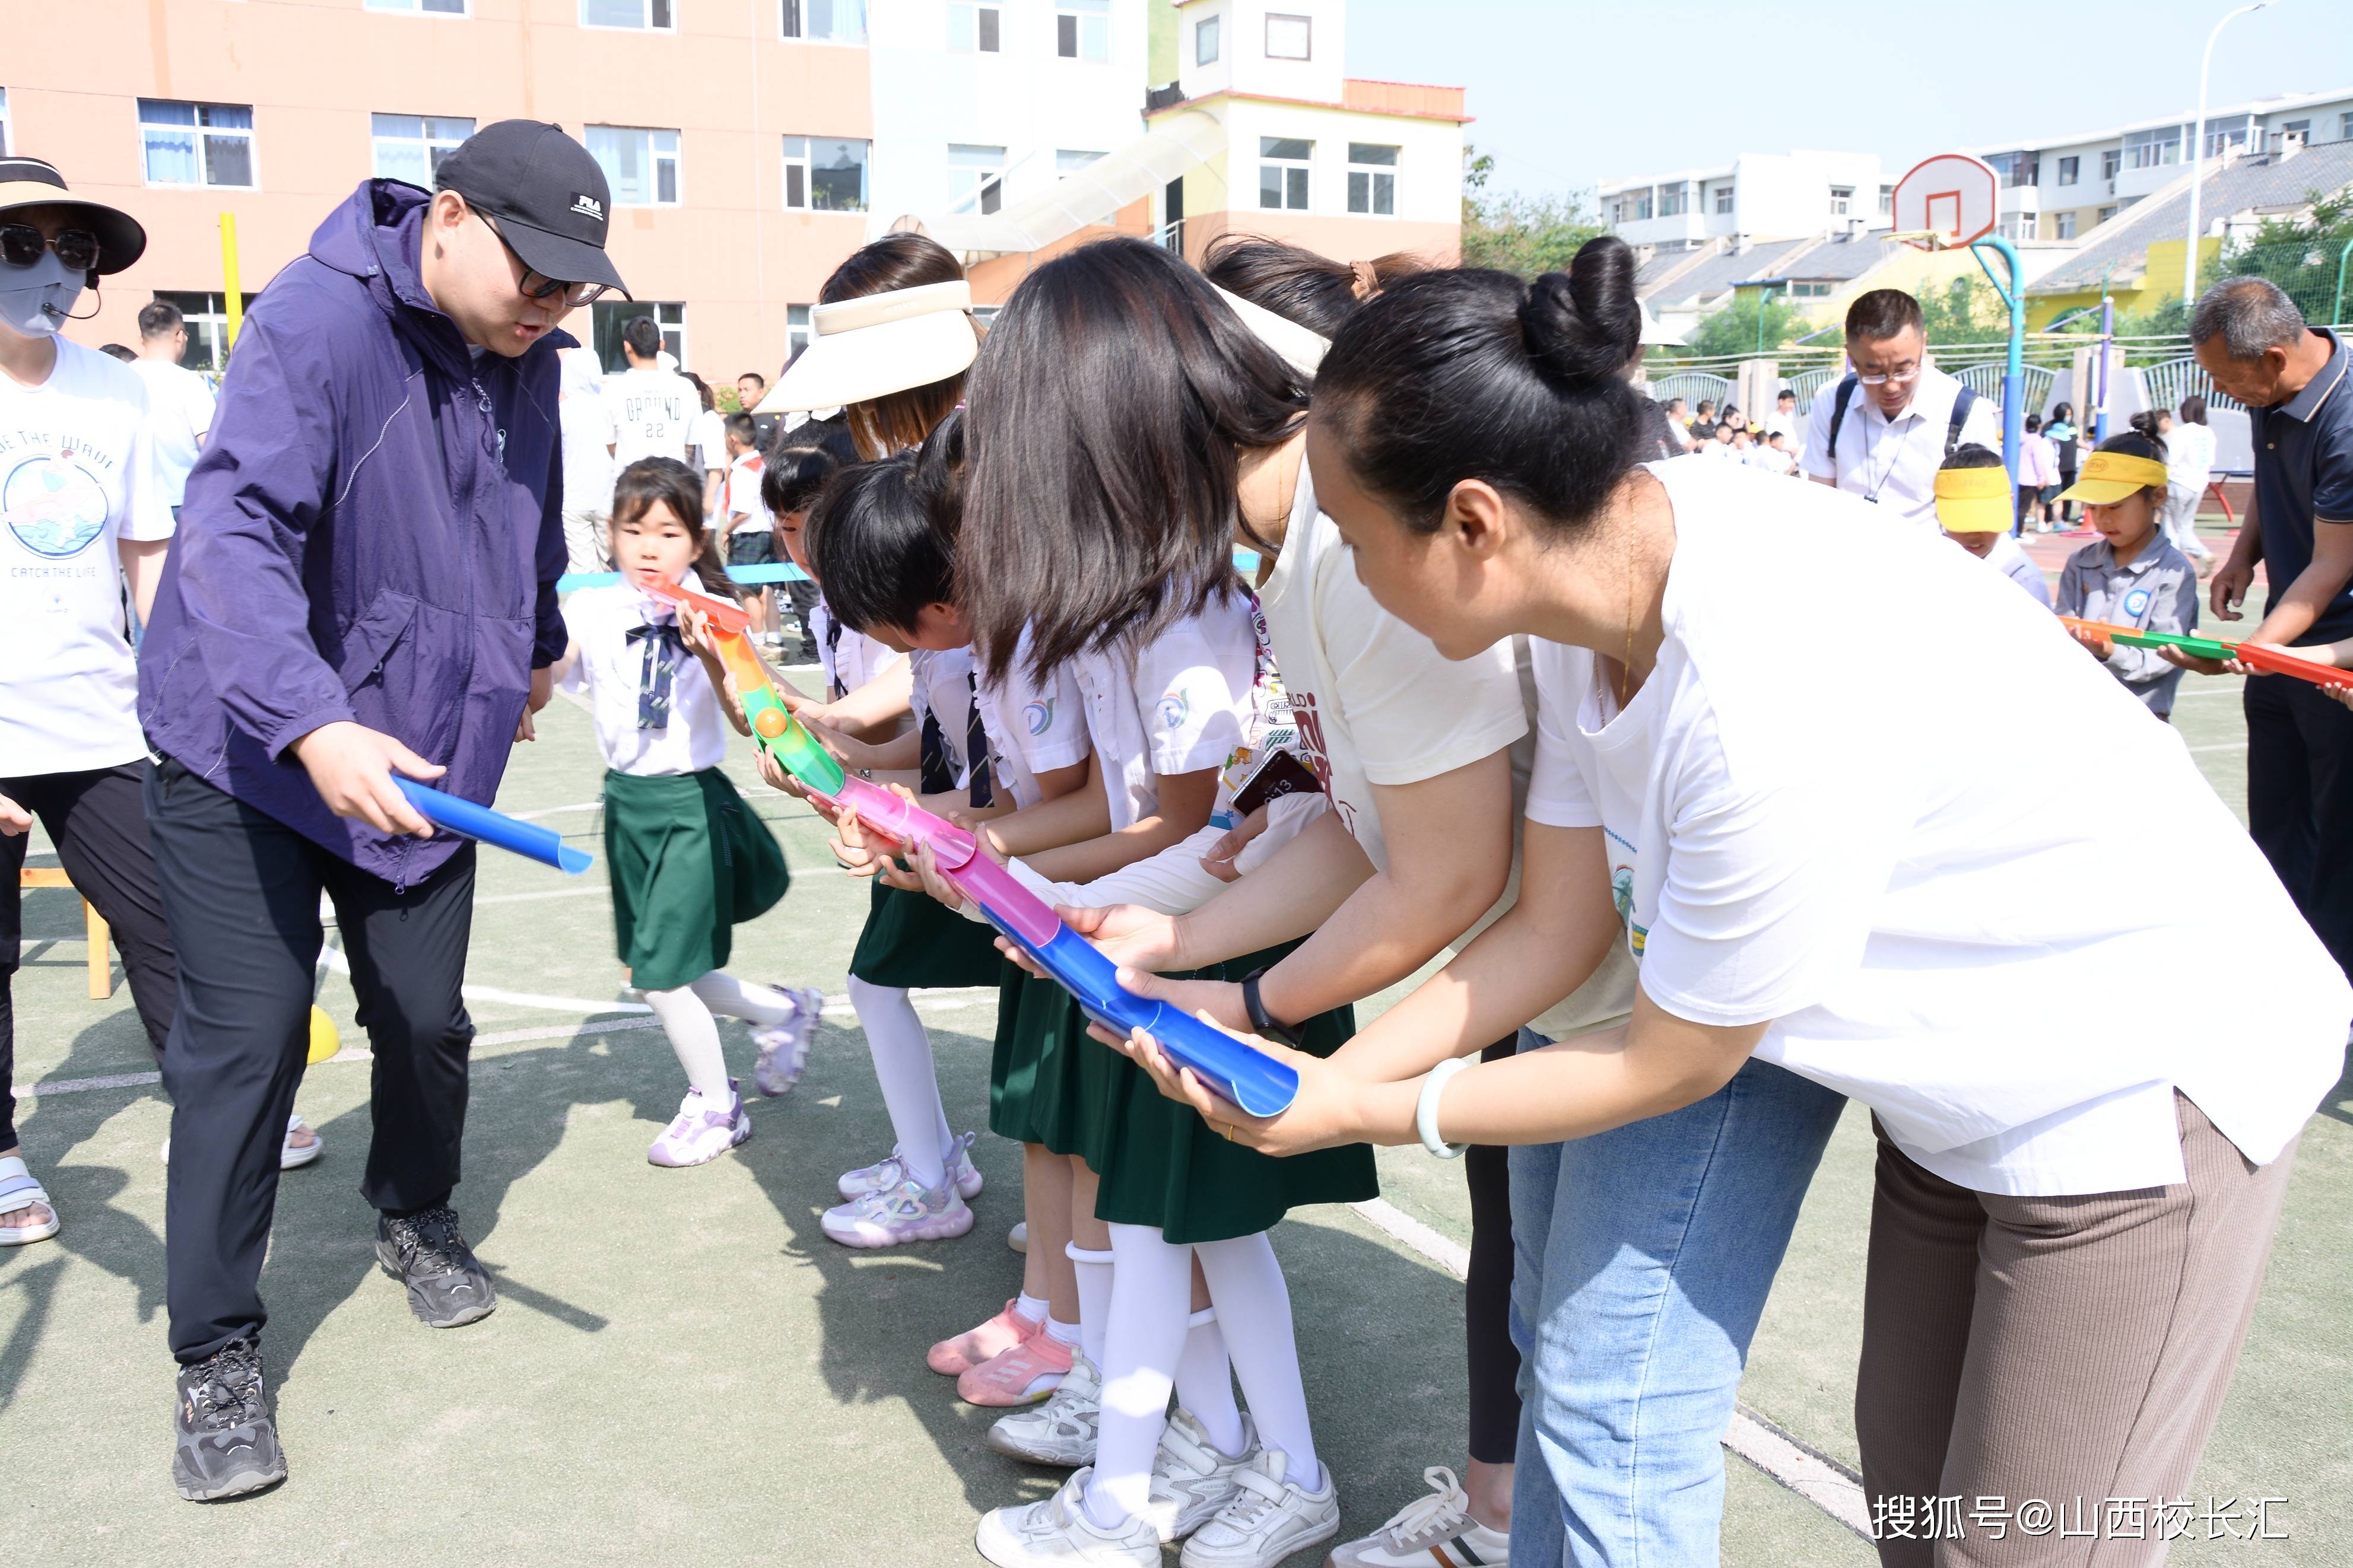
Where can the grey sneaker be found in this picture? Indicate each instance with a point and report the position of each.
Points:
(226, 1444)
(446, 1286)
(1063, 1430)
(1190, 1474)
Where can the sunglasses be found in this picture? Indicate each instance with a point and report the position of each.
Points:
(21, 246)
(535, 287)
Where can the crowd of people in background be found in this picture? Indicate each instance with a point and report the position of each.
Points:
(1746, 883)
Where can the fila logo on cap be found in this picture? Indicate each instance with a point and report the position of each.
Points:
(590, 205)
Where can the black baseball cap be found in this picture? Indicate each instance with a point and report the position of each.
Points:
(547, 193)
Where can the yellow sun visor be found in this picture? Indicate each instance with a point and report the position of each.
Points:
(2108, 476)
(1973, 500)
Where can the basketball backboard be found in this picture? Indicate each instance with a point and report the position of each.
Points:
(1950, 196)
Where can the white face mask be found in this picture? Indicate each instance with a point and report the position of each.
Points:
(36, 301)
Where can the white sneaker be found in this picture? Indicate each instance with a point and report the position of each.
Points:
(899, 1214)
(784, 1047)
(1190, 1474)
(1268, 1520)
(1433, 1529)
(890, 1170)
(1063, 1430)
(1057, 1533)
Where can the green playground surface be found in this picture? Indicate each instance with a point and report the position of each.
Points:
(683, 1369)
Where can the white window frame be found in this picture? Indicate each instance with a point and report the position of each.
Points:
(1373, 174)
(1304, 166)
(797, 331)
(976, 179)
(417, 8)
(2108, 211)
(2066, 226)
(2071, 170)
(655, 158)
(648, 9)
(424, 140)
(201, 133)
(1079, 13)
(1209, 35)
(2112, 162)
(967, 18)
(1306, 34)
(1723, 207)
(2149, 151)
(669, 315)
(5, 123)
(1841, 200)
(1887, 201)
(803, 161)
(1682, 198)
(207, 324)
(793, 23)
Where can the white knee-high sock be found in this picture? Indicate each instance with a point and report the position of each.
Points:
(694, 1035)
(1205, 1383)
(1151, 1299)
(1094, 1272)
(902, 1066)
(722, 993)
(1254, 1308)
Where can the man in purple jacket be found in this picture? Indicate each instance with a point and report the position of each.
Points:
(363, 585)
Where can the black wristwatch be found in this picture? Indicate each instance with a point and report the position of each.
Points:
(1262, 1020)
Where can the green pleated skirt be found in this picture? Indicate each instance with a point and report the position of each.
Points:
(689, 862)
(1158, 1162)
(912, 938)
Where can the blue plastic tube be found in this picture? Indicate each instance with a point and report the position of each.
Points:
(527, 840)
(1247, 1077)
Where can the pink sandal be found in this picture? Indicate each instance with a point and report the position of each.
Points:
(1022, 1376)
(953, 1357)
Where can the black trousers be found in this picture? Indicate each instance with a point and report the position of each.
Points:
(2300, 801)
(98, 824)
(803, 597)
(1495, 1360)
(241, 891)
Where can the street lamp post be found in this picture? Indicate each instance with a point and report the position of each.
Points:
(2197, 157)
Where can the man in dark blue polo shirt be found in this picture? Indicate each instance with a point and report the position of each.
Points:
(2253, 341)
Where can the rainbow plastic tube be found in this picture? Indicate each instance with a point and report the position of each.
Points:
(1242, 1073)
(468, 820)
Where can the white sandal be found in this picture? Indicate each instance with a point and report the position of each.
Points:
(292, 1156)
(18, 1190)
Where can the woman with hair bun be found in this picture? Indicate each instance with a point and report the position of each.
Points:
(1831, 888)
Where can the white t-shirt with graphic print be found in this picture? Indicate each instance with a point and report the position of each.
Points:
(77, 477)
(1810, 836)
(1188, 699)
(1034, 726)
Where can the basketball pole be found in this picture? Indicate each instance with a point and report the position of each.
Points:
(2013, 375)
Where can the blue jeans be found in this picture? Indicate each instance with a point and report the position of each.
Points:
(1643, 1258)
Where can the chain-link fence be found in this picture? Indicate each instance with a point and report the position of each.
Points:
(2310, 270)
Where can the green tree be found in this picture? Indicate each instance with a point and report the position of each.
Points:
(2300, 255)
(1735, 328)
(1524, 235)
(1965, 311)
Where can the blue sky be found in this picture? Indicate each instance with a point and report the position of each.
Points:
(1566, 93)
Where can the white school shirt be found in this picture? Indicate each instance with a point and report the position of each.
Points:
(585, 420)
(1034, 726)
(744, 495)
(77, 475)
(1372, 699)
(1895, 462)
(654, 414)
(1190, 699)
(849, 660)
(179, 416)
(943, 687)
(707, 437)
(1805, 836)
(609, 669)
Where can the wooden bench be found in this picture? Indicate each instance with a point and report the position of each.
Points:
(101, 970)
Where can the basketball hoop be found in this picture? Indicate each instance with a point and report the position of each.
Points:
(1946, 202)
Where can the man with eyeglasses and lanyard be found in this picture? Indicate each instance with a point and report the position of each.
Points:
(1884, 431)
(363, 585)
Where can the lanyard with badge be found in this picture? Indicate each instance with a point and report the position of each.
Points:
(1871, 449)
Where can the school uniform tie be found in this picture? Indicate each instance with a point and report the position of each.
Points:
(663, 645)
(975, 749)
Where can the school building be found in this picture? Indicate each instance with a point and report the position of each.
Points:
(750, 144)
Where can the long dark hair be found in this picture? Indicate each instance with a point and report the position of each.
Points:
(1109, 406)
(899, 419)
(1474, 375)
(671, 482)
(1301, 286)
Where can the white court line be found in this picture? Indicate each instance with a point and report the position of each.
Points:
(2220, 746)
(1811, 1474)
(936, 1000)
(556, 810)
